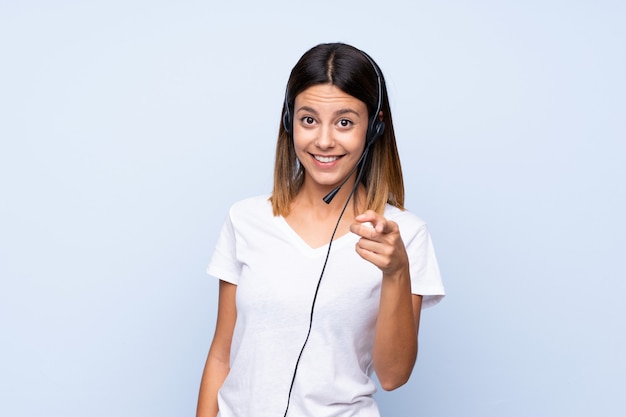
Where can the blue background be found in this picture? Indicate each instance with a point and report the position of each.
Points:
(129, 127)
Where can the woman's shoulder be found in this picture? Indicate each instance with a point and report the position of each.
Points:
(252, 206)
(404, 217)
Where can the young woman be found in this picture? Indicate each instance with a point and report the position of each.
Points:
(318, 291)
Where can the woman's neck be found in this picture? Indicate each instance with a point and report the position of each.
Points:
(314, 220)
(311, 196)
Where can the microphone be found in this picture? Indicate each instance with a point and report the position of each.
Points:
(329, 197)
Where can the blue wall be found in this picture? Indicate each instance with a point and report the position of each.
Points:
(128, 128)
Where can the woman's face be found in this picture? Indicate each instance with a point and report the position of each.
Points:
(329, 131)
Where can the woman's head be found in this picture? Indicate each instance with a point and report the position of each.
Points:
(356, 74)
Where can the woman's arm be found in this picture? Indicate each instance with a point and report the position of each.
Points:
(218, 360)
(395, 341)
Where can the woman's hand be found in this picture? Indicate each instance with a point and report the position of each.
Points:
(380, 242)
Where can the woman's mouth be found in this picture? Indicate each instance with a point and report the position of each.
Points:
(325, 159)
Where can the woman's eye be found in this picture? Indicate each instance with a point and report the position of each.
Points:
(308, 120)
(345, 123)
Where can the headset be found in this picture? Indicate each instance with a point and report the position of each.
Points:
(375, 129)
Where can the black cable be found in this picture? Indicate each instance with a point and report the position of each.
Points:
(319, 282)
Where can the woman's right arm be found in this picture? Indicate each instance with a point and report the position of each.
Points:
(218, 360)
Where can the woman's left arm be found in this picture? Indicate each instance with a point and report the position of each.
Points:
(395, 342)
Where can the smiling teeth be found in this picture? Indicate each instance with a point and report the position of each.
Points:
(326, 158)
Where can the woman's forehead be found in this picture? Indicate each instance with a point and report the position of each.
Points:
(327, 96)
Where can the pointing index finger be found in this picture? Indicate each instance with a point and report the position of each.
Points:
(378, 222)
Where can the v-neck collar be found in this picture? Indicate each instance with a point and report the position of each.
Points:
(304, 247)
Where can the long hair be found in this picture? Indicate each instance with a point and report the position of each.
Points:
(353, 72)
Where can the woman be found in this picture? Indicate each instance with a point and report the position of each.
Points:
(301, 327)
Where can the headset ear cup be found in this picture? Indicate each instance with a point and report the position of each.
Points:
(380, 129)
(287, 120)
(377, 128)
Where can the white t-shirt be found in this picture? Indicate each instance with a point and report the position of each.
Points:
(276, 274)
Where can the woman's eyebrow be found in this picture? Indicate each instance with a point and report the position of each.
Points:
(345, 111)
(307, 109)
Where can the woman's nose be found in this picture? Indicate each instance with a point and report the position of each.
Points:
(325, 138)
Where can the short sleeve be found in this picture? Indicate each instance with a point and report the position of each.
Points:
(425, 276)
(224, 264)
